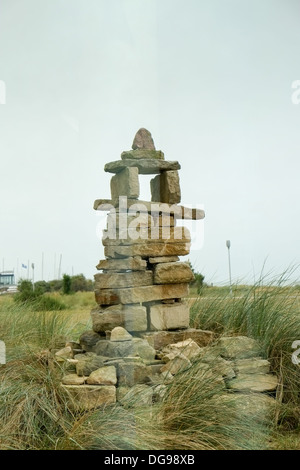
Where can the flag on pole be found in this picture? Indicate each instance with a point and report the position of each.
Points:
(24, 266)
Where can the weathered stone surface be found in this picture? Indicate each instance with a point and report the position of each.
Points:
(73, 379)
(103, 376)
(120, 334)
(131, 373)
(145, 166)
(238, 347)
(143, 154)
(188, 348)
(166, 188)
(253, 404)
(142, 349)
(131, 317)
(172, 273)
(148, 250)
(143, 140)
(154, 208)
(253, 383)
(88, 363)
(123, 220)
(134, 264)
(88, 397)
(177, 362)
(163, 259)
(134, 295)
(88, 339)
(136, 396)
(167, 377)
(169, 316)
(125, 183)
(63, 354)
(114, 348)
(145, 236)
(112, 280)
(164, 220)
(254, 365)
(160, 339)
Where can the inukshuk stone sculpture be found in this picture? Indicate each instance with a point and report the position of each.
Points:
(143, 283)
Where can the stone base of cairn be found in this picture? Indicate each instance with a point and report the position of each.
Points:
(141, 335)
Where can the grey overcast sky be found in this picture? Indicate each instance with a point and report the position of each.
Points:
(211, 80)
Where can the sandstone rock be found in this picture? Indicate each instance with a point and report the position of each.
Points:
(73, 379)
(253, 383)
(88, 339)
(142, 154)
(253, 404)
(177, 362)
(164, 220)
(238, 347)
(166, 188)
(172, 273)
(148, 250)
(143, 140)
(136, 396)
(120, 334)
(132, 279)
(169, 316)
(86, 365)
(64, 353)
(163, 259)
(145, 237)
(134, 295)
(254, 365)
(145, 166)
(103, 376)
(124, 220)
(131, 373)
(133, 264)
(131, 317)
(188, 348)
(88, 397)
(159, 392)
(167, 377)
(142, 349)
(114, 348)
(160, 339)
(125, 183)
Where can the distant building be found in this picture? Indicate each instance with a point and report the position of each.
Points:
(7, 278)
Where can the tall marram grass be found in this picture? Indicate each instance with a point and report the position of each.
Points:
(270, 313)
(36, 414)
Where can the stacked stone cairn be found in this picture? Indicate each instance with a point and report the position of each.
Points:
(141, 335)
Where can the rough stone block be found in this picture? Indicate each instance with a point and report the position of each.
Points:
(169, 316)
(142, 154)
(238, 347)
(144, 236)
(134, 295)
(88, 339)
(133, 263)
(73, 379)
(148, 250)
(88, 397)
(131, 317)
(166, 188)
(253, 383)
(254, 365)
(131, 373)
(103, 376)
(113, 280)
(149, 166)
(163, 259)
(172, 273)
(125, 183)
(160, 339)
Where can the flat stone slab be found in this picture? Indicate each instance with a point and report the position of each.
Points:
(131, 317)
(134, 295)
(117, 280)
(160, 339)
(169, 316)
(253, 383)
(154, 208)
(145, 166)
(163, 259)
(88, 397)
(147, 250)
(142, 154)
(146, 236)
(103, 376)
(172, 273)
(238, 347)
(132, 263)
(254, 365)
